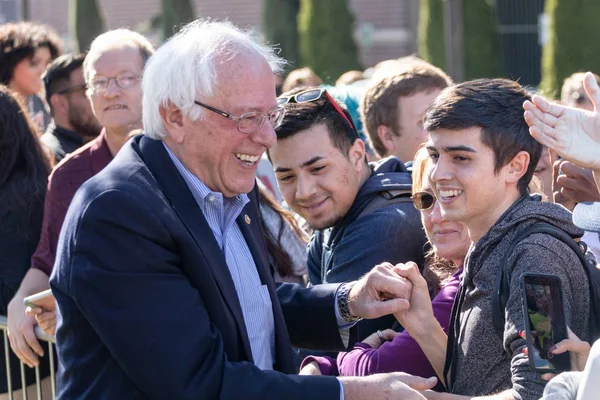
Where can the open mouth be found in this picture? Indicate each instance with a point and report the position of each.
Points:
(447, 195)
(115, 107)
(247, 159)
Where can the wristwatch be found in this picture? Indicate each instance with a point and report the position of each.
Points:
(342, 302)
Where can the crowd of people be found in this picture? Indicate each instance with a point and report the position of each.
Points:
(210, 231)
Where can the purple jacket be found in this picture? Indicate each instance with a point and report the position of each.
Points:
(402, 354)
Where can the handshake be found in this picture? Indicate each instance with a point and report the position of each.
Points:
(402, 291)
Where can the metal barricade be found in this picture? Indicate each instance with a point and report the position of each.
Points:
(7, 351)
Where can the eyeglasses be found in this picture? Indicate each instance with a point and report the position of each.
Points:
(252, 121)
(423, 200)
(72, 89)
(124, 81)
(313, 95)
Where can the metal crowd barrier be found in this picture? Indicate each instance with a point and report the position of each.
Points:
(7, 351)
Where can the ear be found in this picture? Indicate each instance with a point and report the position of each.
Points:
(386, 137)
(517, 167)
(357, 154)
(173, 120)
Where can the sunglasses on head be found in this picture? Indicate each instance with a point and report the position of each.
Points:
(313, 95)
(423, 200)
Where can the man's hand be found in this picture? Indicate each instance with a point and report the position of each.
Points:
(574, 134)
(375, 341)
(20, 332)
(45, 319)
(378, 293)
(577, 184)
(392, 386)
(418, 317)
(557, 196)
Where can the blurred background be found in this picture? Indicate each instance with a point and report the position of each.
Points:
(538, 42)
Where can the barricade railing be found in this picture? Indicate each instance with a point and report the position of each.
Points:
(7, 351)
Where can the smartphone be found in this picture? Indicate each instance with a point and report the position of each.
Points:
(545, 324)
(44, 300)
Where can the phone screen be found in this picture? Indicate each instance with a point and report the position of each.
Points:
(545, 322)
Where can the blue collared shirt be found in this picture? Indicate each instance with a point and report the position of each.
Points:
(220, 213)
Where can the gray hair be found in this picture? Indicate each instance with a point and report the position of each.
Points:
(186, 67)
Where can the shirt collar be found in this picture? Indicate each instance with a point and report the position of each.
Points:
(200, 191)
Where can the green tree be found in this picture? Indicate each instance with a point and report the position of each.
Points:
(281, 28)
(86, 21)
(327, 38)
(481, 39)
(174, 14)
(571, 46)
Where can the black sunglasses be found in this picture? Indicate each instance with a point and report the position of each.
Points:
(423, 200)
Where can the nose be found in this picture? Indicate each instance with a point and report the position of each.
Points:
(112, 89)
(306, 187)
(436, 214)
(439, 172)
(265, 136)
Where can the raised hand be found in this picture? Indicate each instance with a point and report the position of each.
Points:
(572, 133)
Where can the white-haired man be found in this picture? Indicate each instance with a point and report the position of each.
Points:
(112, 70)
(162, 278)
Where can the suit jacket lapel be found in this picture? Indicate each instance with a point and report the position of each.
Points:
(250, 225)
(176, 191)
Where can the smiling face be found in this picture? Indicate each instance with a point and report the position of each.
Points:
(316, 179)
(27, 75)
(465, 183)
(212, 148)
(449, 239)
(118, 109)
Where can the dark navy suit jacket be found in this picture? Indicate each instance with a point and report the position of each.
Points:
(147, 306)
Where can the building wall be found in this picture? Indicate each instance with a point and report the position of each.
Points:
(385, 28)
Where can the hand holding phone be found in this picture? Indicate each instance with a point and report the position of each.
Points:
(545, 324)
(44, 300)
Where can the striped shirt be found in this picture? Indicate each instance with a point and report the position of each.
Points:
(220, 213)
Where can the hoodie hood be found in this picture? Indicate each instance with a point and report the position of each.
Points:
(524, 212)
(389, 173)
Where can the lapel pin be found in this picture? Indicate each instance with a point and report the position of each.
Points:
(248, 220)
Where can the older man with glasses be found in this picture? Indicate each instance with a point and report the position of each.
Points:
(163, 282)
(112, 70)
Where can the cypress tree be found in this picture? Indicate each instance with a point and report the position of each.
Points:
(281, 28)
(326, 38)
(86, 21)
(481, 39)
(571, 46)
(175, 14)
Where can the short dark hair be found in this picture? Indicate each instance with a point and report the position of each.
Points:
(19, 41)
(58, 74)
(495, 106)
(303, 116)
(379, 105)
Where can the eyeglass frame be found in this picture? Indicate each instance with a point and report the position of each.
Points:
(418, 198)
(92, 89)
(265, 116)
(322, 91)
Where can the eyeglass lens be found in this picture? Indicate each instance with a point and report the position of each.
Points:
(423, 200)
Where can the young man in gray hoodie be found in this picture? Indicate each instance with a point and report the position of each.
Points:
(483, 160)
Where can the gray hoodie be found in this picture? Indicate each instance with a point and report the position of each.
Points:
(486, 363)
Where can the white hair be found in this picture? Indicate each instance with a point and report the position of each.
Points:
(111, 39)
(185, 67)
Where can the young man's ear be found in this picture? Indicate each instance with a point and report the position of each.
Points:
(357, 154)
(518, 167)
(173, 120)
(386, 137)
